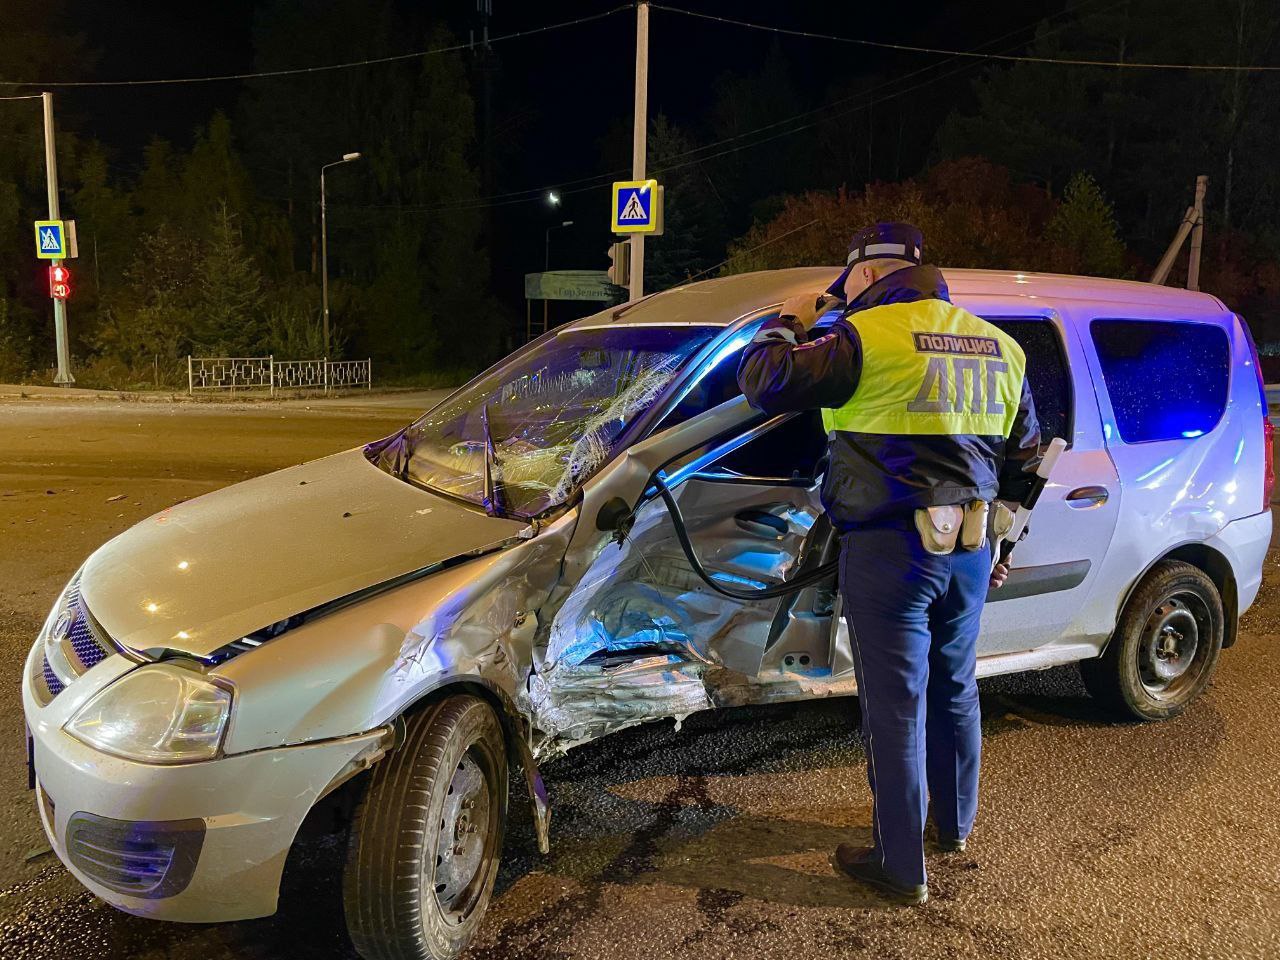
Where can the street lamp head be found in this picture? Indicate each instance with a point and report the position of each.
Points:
(347, 157)
(567, 223)
(553, 198)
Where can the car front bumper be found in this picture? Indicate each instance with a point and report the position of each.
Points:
(197, 842)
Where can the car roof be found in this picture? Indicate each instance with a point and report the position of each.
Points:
(721, 301)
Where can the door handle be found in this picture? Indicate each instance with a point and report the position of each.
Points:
(1083, 497)
(761, 523)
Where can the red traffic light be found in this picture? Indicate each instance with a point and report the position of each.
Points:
(59, 282)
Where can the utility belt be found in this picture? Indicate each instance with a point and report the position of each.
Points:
(965, 525)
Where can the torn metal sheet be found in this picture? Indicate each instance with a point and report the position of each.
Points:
(576, 703)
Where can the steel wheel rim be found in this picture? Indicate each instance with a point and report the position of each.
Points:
(455, 876)
(1172, 646)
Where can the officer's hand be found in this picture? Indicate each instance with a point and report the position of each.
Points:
(804, 307)
(999, 575)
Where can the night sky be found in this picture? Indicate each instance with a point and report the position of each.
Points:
(568, 85)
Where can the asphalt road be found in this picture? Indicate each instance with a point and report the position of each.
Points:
(1095, 840)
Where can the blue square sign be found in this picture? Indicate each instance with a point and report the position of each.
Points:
(636, 206)
(51, 242)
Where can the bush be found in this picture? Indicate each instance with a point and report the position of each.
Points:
(971, 212)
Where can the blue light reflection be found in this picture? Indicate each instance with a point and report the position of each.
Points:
(1154, 470)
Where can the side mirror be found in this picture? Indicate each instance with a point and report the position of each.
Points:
(615, 517)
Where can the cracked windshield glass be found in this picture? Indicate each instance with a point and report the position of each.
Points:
(548, 417)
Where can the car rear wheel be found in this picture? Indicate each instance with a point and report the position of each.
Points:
(427, 836)
(1165, 647)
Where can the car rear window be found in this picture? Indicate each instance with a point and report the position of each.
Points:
(1167, 380)
(1046, 372)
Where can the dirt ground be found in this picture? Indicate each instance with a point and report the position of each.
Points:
(1095, 839)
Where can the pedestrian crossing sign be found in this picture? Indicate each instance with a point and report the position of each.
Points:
(637, 206)
(51, 240)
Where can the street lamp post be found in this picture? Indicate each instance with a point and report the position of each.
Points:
(554, 199)
(547, 263)
(324, 249)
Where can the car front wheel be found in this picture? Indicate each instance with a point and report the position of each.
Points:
(1165, 647)
(426, 838)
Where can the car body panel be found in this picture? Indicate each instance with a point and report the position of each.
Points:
(211, 570)
(1062, 531)
(1180, 491)
(252, 805)
(363, 665)
(719, 301)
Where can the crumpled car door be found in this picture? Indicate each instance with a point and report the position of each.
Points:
(641, 636)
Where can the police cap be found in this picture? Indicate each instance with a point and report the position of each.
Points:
(881, 241)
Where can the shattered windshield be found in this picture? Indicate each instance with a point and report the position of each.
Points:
(547, 418)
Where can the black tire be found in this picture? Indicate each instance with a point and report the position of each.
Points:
(1165, 647)
(410, 889)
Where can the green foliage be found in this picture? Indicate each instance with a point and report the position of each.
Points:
(211, 243)
(229, 320)
(154, 313)
(971, 212)
(690, 213)
(1144, 134)
(14, 353)
(1083, 233)
(294, 333)
(212, 246)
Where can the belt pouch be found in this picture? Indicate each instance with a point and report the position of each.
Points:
(939, 527)
(973, 531)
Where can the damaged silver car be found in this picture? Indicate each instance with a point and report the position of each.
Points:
(586, 537)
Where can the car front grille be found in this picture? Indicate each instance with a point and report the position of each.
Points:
(64, 659)
(89, 649)
(53, 686)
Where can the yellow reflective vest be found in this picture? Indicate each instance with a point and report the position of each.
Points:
(931, 368)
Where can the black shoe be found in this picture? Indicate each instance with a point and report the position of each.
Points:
(863, 864)
(943, 844)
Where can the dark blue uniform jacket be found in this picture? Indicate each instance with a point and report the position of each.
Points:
(873, 478)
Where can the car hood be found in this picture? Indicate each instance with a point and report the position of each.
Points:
(211, 570)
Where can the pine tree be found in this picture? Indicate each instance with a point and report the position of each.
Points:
(229, 315)
(1083, 233)
(688, 213)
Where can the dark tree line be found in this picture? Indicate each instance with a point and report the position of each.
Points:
(212, 245)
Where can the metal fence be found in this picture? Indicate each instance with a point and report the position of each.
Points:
(268, 373)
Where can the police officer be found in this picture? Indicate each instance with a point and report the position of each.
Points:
(929, 420)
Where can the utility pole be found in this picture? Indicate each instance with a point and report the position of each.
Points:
(63, 378)
(1197, 234)
(1192, 226)
(639, 137)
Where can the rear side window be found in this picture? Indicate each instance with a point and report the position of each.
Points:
(1167, 379)
(1046, 372)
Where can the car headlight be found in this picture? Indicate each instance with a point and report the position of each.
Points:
(159, 713)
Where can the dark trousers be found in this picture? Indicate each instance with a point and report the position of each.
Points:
(913, 625)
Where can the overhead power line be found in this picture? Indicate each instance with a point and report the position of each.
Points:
(1008, 58)
(300, 71)
(708, 151)
(742, 253)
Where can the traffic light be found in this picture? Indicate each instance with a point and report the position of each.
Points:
(620, 263)
(59, 282)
